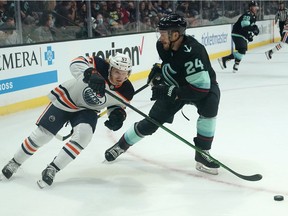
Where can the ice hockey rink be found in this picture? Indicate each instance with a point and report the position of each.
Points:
(157, 176)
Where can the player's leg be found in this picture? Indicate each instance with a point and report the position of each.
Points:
(241, 46)
(49, 123)
(279, 46)
(223, 61)
(83, 123)
(161, 111)
(206, 124)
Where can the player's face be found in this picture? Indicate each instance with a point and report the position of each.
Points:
(117, 77)
(164, 39)
(254, 9)
(167, 39)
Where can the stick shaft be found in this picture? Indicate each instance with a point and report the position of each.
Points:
(255, 177)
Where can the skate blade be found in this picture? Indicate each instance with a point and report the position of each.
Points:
(267, 55)
(105, 161)
(220, 63)
(200, 167)
(41, 184)
(2, 177)
(108, 162)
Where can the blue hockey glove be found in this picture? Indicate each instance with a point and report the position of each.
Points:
(116, 119)
(164, 92)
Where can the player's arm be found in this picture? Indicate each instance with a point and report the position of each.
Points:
(79, 65)
(116, 112)
(197, 78)
(248, 26)
(116, 117)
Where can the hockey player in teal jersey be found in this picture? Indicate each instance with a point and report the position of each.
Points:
(184, 77)
(243, 32)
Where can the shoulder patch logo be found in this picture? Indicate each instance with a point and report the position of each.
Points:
(187, 49)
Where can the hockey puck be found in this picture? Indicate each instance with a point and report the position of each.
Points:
(278, 198)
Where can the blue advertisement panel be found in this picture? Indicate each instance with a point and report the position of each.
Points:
(29, 81)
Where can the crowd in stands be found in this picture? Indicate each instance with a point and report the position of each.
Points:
(43, 21)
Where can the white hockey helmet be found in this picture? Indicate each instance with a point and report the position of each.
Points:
(121, 62)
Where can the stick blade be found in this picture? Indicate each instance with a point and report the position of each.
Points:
(256, 177)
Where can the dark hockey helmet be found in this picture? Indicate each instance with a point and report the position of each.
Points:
(253, 4)
(172, 22)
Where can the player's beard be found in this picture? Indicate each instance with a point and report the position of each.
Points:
(166, 46)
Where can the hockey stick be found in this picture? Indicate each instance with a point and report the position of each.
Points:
(255, 177)
(141, 88)
(62, 138)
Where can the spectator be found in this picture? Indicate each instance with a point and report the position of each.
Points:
(113, 12)
(6, 10)
(27, 15)
(104, 9)
(101, 28)
(114, 17)
(8, 33)
(44, 32)
(65, 14)
(158, 8)
(132, 11)
(2, 13)
(95, 8)
(147, 25)
(142, 10)
(81, 14)
(213, 11)
(186, 9)
(124, 14)
(166, 7)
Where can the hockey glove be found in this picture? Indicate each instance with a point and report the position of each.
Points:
(155, 75)
(95, 81)
(116, 119)
(163, 92)
(255, 30)
(250, 37)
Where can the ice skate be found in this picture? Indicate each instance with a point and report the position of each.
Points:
(269, 54)
(205, 164)
(222, 63)
(48, 175)
(10, 168)
(115, 151)
(235, 68)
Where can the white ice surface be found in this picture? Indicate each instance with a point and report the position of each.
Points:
(157, 176)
